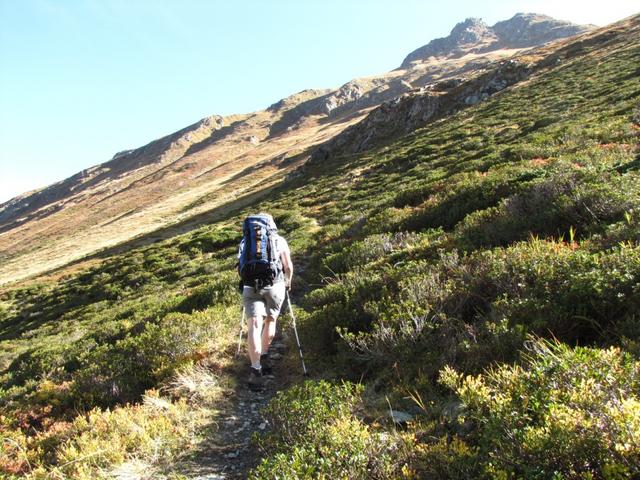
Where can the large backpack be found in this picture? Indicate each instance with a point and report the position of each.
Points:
(259, 262)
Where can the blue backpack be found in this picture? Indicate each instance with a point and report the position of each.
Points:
(259, 263)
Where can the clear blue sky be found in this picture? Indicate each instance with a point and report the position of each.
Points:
(83, 79)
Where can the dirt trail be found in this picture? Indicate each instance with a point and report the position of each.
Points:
(227, 451)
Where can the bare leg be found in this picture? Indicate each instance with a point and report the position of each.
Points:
(254, 340)
(268, 332)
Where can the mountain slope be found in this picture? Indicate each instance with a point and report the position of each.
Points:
(481, 276)
(208, 163)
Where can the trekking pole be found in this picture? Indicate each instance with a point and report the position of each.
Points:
(295, 330)
(240, 336)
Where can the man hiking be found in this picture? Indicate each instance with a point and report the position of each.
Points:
(265, 268)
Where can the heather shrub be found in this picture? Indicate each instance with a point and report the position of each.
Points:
(471, 192)
(212, 240)
(4, 312)
(471, 310)
(316, 435)
(562, 413)
(289, 220)
(445, 457)
(298, 412)
(553, 287)
(91, 445)
(387, 220)
(367, 250)
(155, 432)
(122, 371)
(583, 202)
(221, 290)
(627, 230)
(344, 302)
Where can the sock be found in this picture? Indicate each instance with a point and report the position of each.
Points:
(256, 366)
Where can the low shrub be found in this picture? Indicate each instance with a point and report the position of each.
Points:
(584, 202)
(315, 435)
(563, 413)
(344, 302)
(222, 290)
(122, 371)
(371, 248)
(471, 310)
(155, 431)
(212, 241)
(469, 193)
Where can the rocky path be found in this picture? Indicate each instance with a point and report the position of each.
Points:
(227, 451)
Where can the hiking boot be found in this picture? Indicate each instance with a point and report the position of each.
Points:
(266, 363)
(256, 381)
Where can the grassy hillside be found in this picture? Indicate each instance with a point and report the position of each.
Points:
(482, 274)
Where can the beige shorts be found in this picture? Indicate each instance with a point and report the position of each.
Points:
(265, 302)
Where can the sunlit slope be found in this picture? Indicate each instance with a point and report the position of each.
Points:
(220, 159)
(419, 262)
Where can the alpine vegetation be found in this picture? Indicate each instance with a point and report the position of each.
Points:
(466, 290)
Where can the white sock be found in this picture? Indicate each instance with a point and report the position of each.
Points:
(257, 366)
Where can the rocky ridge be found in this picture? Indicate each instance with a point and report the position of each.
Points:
(474, 36)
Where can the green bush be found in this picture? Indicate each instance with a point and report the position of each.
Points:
(222, 290)
(564, 413)
(213, 241)
(121, 372)
(583, 201)
(370, 249)
(471, 192)
(476, 309)
(627, 230)
(315, 435)
(298, 412)
(155, 431)
(344, 303)
(576, 295)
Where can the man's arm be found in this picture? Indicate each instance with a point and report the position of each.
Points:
(287, 265)
(239, 255)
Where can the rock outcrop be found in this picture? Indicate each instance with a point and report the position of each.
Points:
(465, 36)
(528, 29)
(415, 109)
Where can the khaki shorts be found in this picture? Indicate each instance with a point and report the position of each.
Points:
(265, 302)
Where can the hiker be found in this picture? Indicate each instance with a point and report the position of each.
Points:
(265, 268)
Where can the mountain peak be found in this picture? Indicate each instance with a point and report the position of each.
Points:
(527, 29)
(472, 30)
(474, 36)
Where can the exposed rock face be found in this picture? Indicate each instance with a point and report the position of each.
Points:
(468, 34)
(419, 107)
(415, 109)
(527, 29)
(349, 92)
(474, 36)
